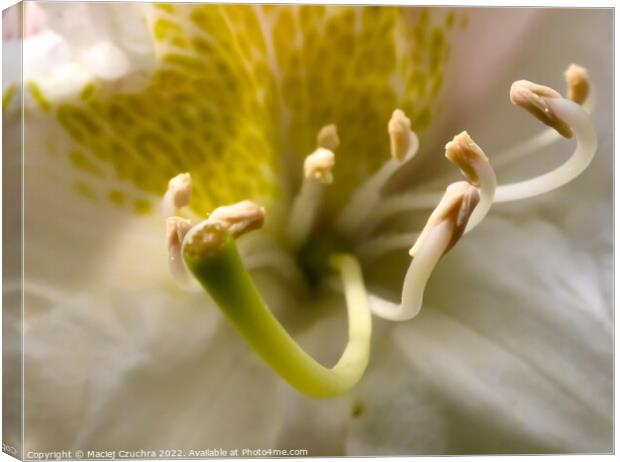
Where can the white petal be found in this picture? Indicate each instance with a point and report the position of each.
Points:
(86, 26)
(519, 357)
(144, 370)
(106, 61)
(492, 38)
(494, 400)
(396, 410)
(544, 303)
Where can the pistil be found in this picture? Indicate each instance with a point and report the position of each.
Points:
(210, 253)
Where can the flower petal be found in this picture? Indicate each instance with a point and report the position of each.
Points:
(143, 370)
(527, 324)
(396, 411)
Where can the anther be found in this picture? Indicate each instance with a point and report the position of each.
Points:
(239, 218)
(466, 154)
(535, 99)
(399, 128)
(475, 165)
(328, 137)
(180, 188)
(578, 83)
(318, 166)
(455, 207)
(178, 195)
(318, 174)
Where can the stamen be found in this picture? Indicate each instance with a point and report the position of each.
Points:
(547, 105)
(363, 200)
(580, 90)
(318, 166)
(572, 115)
(473, 163)
(178, 195)
(456, 206)
(443, 229)
(317, 175)
(578, 83)
(176, 229)
(328, 137)
(219, 269)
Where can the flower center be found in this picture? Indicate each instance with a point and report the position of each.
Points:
(210, 253)
(313, 256)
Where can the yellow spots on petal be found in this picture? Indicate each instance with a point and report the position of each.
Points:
(179, 41)
(142, 206)
(85, 190)
(38, 96)
(422, 119)
(80, 124)
(82, 162)
(240, 91)
(117, 197)
(352, 67)
(438, 48)
(284, 33)
(87, 92)
(437, 81)
(8, 95)
(167, 7)
(202, 45)
(200, 112)
(269, 8)
(190, 64)
(164, 28)
(449, 21)
(464, 22)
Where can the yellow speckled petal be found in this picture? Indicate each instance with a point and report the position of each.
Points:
(240, 91)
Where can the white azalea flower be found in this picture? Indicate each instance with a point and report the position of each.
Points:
(511, 349)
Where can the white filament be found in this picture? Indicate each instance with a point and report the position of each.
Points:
(416, 278)
(276, 260)
(304, 211)
(365, 197)
(168, 209)
(422, 201)
(374, 248)
(488, 184)
(578, 119)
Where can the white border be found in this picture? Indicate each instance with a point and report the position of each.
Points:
(531, 3)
